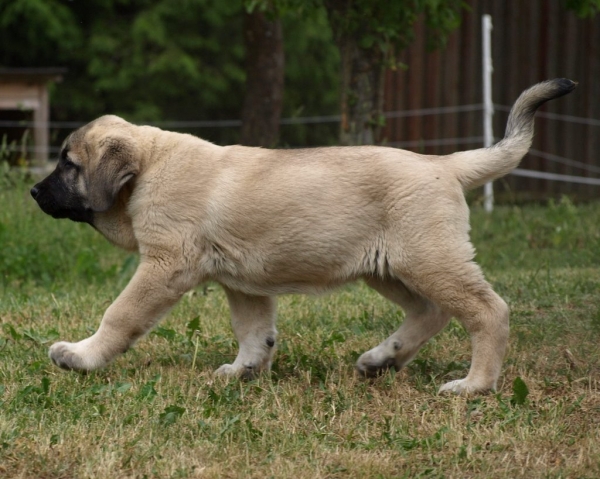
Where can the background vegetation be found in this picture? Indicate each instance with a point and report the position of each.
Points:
(158, 412)
(166, 60)
(180, 60)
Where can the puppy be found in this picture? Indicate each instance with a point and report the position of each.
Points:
(268, 222)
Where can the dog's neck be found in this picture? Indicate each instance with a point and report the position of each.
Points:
(115, 224)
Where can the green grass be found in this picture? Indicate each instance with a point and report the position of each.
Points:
(158, 411)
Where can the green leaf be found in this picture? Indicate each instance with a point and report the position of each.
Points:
(520, 391)
(167, 333)
(229, 425)
(583, 8)
(148, 390)
(11, 331)
(36, 337)
(170, 415)
(122, 387)
(193, 326)
(367, 41)
(334, 337)
(46, 385)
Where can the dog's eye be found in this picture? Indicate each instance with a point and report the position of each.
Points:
(69, 164)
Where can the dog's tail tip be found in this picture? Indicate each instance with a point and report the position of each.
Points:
(564, 85)
(477, 167)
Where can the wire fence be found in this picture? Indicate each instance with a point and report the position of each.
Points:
(306, 120)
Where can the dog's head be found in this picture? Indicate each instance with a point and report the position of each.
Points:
(95, 163)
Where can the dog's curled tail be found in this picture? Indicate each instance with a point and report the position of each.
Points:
(475, 167)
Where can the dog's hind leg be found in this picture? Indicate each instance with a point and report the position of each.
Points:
(423, 320)
(448, 278)
(253, 322)
(485, 316)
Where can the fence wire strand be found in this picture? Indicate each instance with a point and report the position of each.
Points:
(388, 114)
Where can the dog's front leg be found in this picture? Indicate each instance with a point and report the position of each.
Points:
(153, 290)
(253, 322)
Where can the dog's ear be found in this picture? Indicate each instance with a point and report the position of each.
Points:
(117, 163)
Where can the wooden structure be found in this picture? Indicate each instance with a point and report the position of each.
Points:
(531, 41)
(26, 90)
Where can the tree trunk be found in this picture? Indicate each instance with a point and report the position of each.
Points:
(361, 93)
(263, 102)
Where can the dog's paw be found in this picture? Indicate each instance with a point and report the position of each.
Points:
(63, 354)
(73, 357)
(226, 371)
(464, 387)
(248, 371)
(370, 366)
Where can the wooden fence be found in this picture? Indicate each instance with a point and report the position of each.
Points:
(532, 41)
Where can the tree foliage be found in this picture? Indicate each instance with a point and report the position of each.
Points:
(389, 25)
(157, 60)
(160, 60)
(51, 32)
(368, 33)
(583, 8)
(145, 60)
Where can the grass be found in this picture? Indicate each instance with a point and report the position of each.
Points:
(158, 411)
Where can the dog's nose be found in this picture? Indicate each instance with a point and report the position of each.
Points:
(34, 192)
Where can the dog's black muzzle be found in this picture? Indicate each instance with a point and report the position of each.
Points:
(59, 202)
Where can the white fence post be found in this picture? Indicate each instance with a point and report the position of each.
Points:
(488, 105)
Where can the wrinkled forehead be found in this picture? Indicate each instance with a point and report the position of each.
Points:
(75, 141)
(88, 135)
(75, 137)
